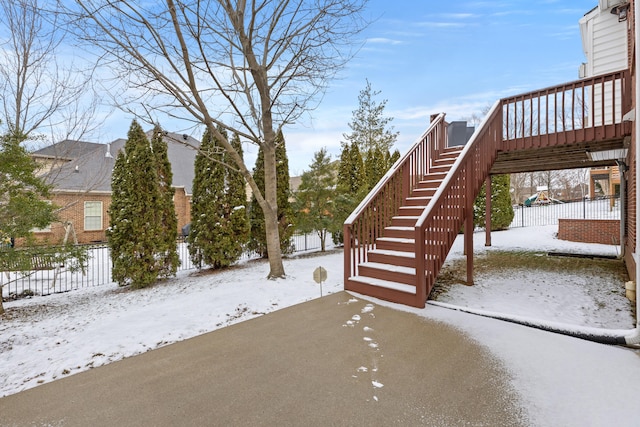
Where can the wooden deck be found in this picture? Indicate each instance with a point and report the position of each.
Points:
(398, 238)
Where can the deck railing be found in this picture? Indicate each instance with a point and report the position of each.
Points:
(590, 109)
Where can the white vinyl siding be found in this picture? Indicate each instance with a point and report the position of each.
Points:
(604, 41)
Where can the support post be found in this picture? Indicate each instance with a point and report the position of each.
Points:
(468, 225)
(487, 211)
(346, 230)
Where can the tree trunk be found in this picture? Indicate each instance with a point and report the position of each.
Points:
(276, 267)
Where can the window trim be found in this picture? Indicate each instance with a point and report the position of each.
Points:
(85, 216)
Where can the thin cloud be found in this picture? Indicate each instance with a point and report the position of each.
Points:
(460, 15)
(384, 40)
(432, 24)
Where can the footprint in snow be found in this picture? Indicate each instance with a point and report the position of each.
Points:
(368, 308)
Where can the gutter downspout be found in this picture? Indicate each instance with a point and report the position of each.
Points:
(634, 337)
(622, 171)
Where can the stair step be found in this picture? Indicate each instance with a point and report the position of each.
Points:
(404, 220)
(399, 231)
(389, 267)
(429, 182)
(402, 287)
(424, 191)
(392, 272)
(439, 176)
(405, 259)
(395, 244)
(450, 154)
(439, 169)
(444, 161)
(411, 210)
(417, 201)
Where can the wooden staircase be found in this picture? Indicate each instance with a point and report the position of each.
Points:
(390, 271)
(397, 239)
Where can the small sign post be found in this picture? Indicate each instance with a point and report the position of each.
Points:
(320, 275)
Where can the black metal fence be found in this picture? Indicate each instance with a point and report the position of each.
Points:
(55, 278)
(549, 213)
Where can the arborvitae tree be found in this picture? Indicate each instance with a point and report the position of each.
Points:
(135, 213)
(285, 212)
(219, 225)
(350, 189)
(351, 173)
(167, 244)
(314, 201)
(207, 204)
(501, 207)
(375, 167)
(391, 158)
(236, 205)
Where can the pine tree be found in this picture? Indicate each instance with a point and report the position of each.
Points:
(315, 197)
(23, 194)
(207, 205)
(168, 259)
(501, 208)
(135, 213)
(369, 126)
(257, 242)
(24, 205)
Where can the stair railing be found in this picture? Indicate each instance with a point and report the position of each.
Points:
(453, 200)
(383, 202)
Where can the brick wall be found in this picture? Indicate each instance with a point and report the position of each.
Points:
(605, 231)
(182, 203)
(72, 210)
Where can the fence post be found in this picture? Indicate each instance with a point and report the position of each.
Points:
(584, 208)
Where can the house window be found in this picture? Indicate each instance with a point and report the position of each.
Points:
(92, 216)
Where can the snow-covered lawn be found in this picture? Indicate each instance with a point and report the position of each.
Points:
(45, 338)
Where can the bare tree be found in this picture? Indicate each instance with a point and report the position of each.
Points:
(42, 90)
(248, 66)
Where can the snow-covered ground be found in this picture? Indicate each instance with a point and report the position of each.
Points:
(562, 380)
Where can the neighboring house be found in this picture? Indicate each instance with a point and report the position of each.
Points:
(80, 173)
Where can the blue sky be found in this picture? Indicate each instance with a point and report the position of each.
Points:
(428, 57)
(454, 57)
